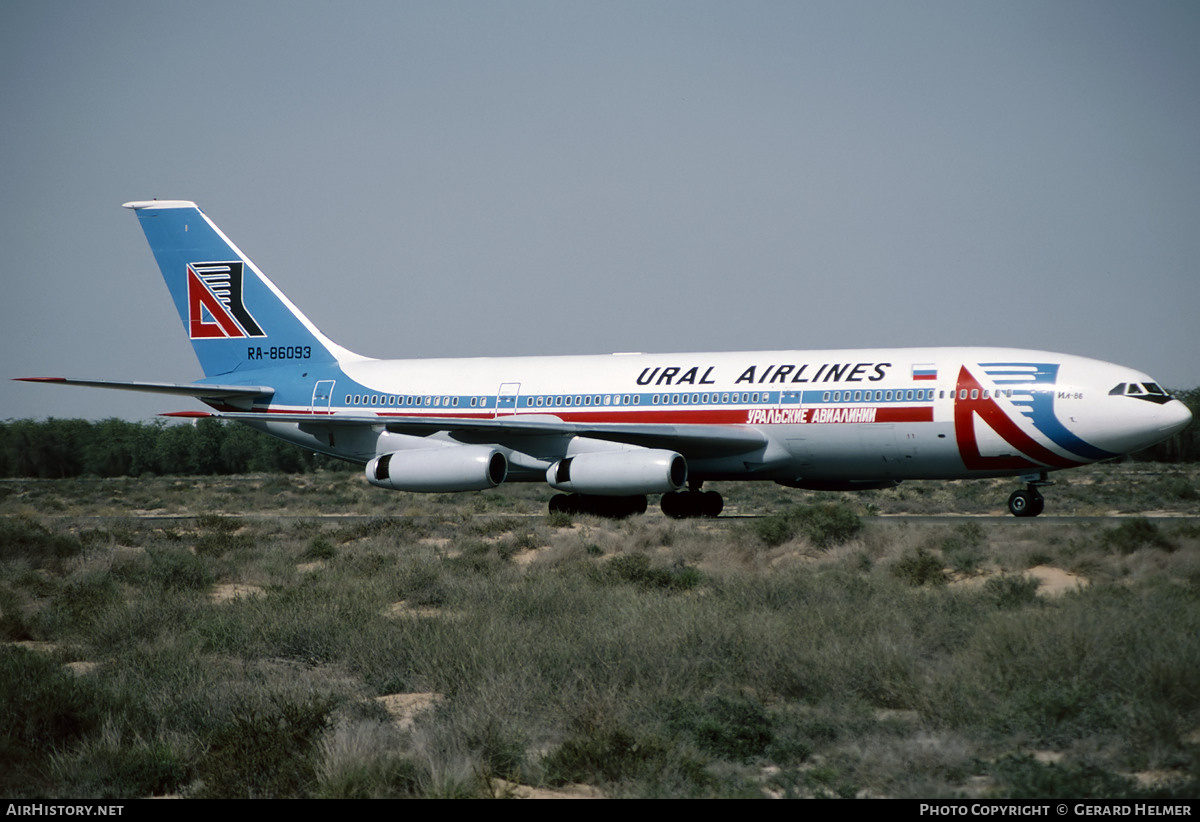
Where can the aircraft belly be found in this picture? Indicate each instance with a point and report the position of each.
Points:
(872, 450)
(341, 442)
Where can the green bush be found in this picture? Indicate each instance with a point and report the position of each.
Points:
(774, 529)
(608, 754)
(637, 569)
(727, 727)
(266, 754)
(37, 544)
(42, 709)
(919, 567)
(1135, 534)
(103, 771)
(1012, 590)
(319, 548)
(823, 524)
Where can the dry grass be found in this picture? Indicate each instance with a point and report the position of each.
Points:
(643, 657)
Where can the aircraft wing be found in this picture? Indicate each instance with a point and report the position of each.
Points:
(690, 440)
(204, 391)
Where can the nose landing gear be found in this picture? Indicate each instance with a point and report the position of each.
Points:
(1030, 502)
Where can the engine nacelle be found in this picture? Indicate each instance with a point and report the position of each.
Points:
(452, 468)
(620, 473)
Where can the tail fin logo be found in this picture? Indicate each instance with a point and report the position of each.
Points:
(216, 309)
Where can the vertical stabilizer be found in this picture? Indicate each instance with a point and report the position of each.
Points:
(236, 319)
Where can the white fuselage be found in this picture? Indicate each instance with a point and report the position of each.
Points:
(852, 415)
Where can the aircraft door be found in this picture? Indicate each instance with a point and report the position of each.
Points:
(879, 446)
(791, 404)
(322, 396)
(506, 398)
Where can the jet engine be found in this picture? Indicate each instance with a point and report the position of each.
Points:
(620, 473)
(453, 468)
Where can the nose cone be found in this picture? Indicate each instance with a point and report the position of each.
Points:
(1175, 416)
(1143, 424)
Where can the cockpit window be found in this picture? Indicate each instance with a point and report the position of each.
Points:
(1149, 391)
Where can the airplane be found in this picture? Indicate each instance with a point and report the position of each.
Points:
(606, 431)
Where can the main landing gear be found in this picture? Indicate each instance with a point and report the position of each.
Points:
(692, 503)
(1030, 502)
(612, 507)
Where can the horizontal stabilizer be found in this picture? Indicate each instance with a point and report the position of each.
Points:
(200, 390)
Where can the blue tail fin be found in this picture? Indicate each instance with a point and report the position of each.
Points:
(235, 317)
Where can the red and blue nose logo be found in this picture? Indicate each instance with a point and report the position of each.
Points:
(1029, 390)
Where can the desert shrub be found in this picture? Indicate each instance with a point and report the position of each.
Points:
(500, 744)
(636, 568)
(607, 754)
(34, 542)
(775, 529)
(13, 623)
(492, 526)
(319, 548)
(78, 604)
(917, 566)
(523, 541)
(382, 777)
(108, 770)
(43, 708)
(559, 519)
(728, 727)
(220, 543)
(266, 754)
(963, 547)
(171, 569)
(1012, 590)
(823, 524)
(478, 557)
(830, 524)
(218, 523)
(400, 529)
(1135, 534)
(1024, 777)
(1178, 488)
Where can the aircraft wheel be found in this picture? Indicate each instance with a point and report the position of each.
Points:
(1038, 505)
(674, 505)
(711, 504)
(690, 504)
(1025, 504)
(611, 507)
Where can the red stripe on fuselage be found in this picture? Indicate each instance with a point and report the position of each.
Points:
(769, 415)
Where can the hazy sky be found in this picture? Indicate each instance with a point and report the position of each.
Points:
(493, 178)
